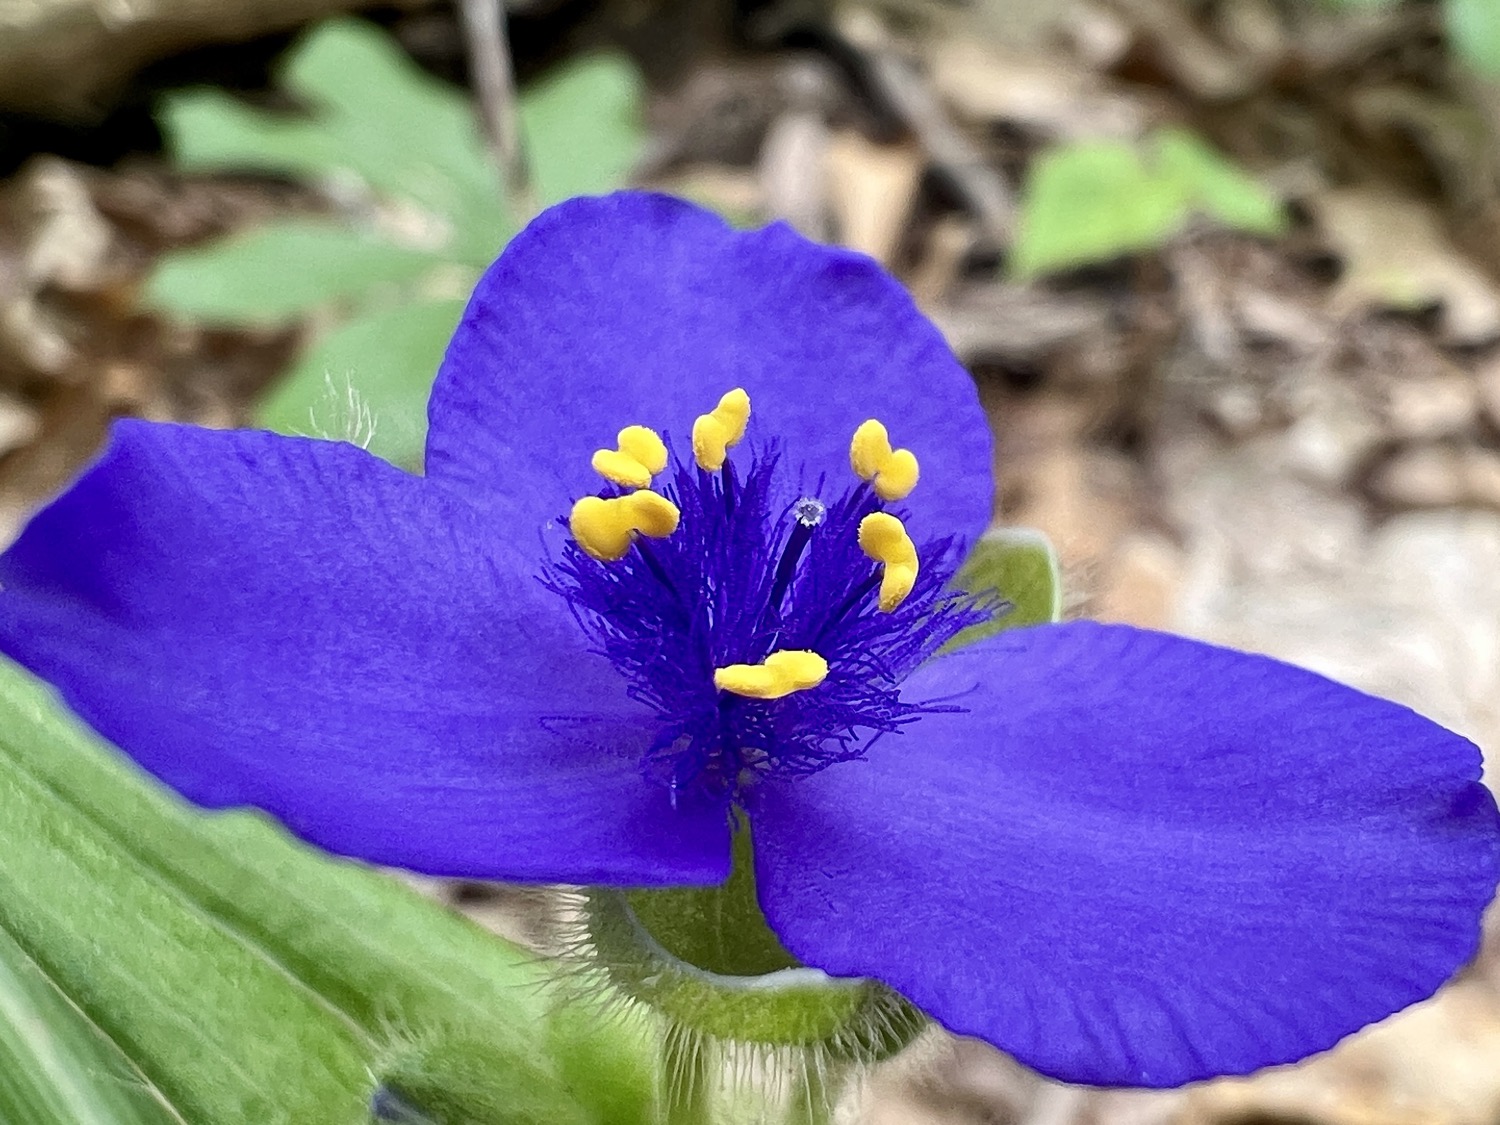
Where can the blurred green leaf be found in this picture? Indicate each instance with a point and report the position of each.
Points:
(378, 119)
(367, 381)
(1474, 28)
(1018, 567)
(582, 126)
(374, 115)
(1214, 186)
(1092, 201)
(1089, 202)
(56, 1068)
(247, 977)
(278, 272)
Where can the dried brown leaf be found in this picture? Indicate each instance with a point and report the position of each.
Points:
(1397, 256)
(873, 189)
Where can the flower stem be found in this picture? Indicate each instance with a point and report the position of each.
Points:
(495, 88)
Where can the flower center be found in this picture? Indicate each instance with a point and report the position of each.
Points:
(769, 632)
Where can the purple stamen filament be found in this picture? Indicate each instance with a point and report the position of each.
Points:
(745, 575)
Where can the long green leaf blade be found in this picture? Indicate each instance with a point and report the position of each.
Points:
(217, 1026)
(57, 1068)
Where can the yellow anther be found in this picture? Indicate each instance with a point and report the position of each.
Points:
(639, 457)
(892, 472)
(606, 528)
(781, 673)
(869, 449)
(883, 537)
(715, 432)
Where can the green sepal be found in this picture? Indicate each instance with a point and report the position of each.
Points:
(798, 1007)
(705, 960)
(1016, 568)
(721, 928)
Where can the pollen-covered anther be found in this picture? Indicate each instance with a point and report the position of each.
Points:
(639, 456)
(605, 528)
(891, 472)
(780, 674)
(883, 537)
(720, 429)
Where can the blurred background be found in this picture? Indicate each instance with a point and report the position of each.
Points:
(1227, 273)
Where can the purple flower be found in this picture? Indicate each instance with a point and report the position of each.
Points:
(1124, 857)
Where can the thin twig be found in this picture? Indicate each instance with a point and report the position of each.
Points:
(953, 155)
(901, 90)
(495, 87)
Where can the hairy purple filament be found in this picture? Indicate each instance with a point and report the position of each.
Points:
(744, 575)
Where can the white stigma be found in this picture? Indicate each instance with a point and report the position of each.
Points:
(809, 512)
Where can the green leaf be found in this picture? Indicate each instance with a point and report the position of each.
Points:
(1018, 567)
(276, 273)
(1216, 187)
(380, 119)
(368, 381)
(208, 130)
(376, 117)
(245, 976)
(582, 126)
(56, 1068)
(413, 140)
(1474, 27)
(1092, 201)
